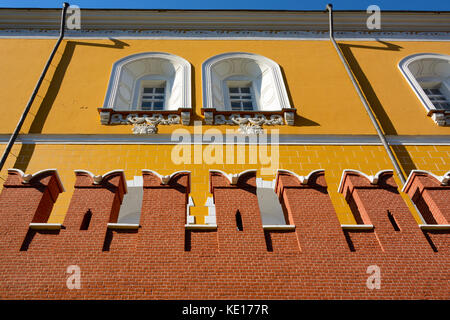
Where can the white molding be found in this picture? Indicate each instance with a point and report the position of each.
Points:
(443, 180)
(45, 226)
(185, 79)
(434, 226)
(372, 179)
(283, 139)
(357, 226)
(302, 179)
(404, 64)
(275, 73)
(26, 178)
(200, 226)
(166, 179)
(123, 226)
(97, 179)
(269, 227)
(230, 35)
(233, 178)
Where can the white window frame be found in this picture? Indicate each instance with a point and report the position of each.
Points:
(182, 80)
(139, 92)
(239, 82)
(272, 68)
(440, 116)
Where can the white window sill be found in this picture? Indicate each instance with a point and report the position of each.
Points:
(357, 226)
(200, 226)
(45, 226)
(123, 226)
(434, 226)
(270, 227)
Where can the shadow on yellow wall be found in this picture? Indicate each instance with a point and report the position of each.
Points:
(47, 102)
(386, 124)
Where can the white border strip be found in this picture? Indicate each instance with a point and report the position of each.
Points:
(273, 227)
(284, 139)
(434, 226)
(223, 35)
(123, 226)
(45, 226)
(200, 226)
(357, 226)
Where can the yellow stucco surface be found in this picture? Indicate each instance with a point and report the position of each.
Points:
(100, 159)
(316, 81)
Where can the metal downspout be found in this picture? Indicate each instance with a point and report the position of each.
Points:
(13, 137)
(363, 99)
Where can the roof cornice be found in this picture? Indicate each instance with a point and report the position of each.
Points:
(138, 20)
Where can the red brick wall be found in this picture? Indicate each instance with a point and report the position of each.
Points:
(433, 201)
(314, 261)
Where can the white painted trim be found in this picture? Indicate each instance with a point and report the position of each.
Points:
(27, 177)
(403, 65)
(357, 226)
(443, 180)
(123, 226)
(270, 227)
(278, 80)
(283, 139)
(120, 64)
(166, 179)
(97, 179)
(302, 179)
(434, 226)
(230, 35)
(45, 226)
(200, 226)
(373, 179)
(233, 178)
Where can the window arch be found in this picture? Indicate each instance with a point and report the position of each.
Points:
(245, 83)
(429, 76)
(148, 82)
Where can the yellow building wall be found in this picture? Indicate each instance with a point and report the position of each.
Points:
(316, 81)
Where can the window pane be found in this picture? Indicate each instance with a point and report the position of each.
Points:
(148, 90)
(236, 105)
(146, 105)
(435, 91)
(159, 105)
(245, 90)
(234, 90)
(159, 90)
(247, 105)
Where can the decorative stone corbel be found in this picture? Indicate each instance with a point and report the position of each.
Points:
(209, 117)
(185, 118)
(104, 117)
(149, 125)
(289, 118)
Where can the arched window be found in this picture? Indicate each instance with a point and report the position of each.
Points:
(429, 76)
(148, 83)
(243, 83)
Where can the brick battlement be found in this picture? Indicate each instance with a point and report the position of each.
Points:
(162, 259)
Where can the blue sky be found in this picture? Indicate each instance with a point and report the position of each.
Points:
(427, 5)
